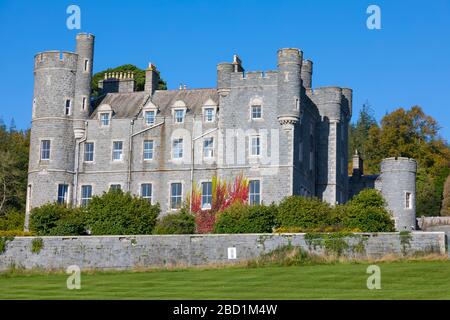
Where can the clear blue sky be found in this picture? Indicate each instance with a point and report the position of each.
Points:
(405, 63)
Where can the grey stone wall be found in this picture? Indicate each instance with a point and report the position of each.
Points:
(124, 252)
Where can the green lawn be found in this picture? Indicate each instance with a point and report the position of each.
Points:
(399, 280)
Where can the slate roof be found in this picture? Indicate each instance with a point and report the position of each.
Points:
(129, 104)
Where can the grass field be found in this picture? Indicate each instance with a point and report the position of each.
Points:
(399, 280)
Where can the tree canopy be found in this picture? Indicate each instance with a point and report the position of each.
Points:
(14, 148)
(406, 133)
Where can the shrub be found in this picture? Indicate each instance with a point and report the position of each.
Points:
(36, 245)
(368, 198)
(243, 218)
(181, 222)
(72, 224)
(224, 194)
(306, 213)
(56, 220)
(15, 233)
(369, 219)
(3, 242)
(12, 220)
(205, 220)
(366, 211)
(118, 213)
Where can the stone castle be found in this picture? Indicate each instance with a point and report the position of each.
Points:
(273, 127)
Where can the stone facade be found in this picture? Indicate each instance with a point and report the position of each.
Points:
(125, 252)
(272, 127)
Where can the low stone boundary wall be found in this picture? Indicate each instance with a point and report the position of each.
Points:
(124, 252)
(427, 222)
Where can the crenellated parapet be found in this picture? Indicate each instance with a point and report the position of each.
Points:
(334, 103)
(56, 59)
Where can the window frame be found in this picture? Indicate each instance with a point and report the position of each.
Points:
(210, 148)
(42, 150)
(67, 109)
(152, 150)
(208, 196)
(148, 111)
(102, 124)
(254, 194)
(180, 140)
(258, 146)
(114, 151)
(90, 152)
(84, 201)
(183, 112)
(408, 198)
(205, 114)
(141, 193)
(180, 196)
(65, 196)
(253, 106)
(115, 186)
(84, 103)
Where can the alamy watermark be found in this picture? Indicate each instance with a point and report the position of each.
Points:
(374, 280)
(74, 280)
(74, 19)
(374, 20)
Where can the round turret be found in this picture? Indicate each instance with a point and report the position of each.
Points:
(224, 71)
(329, 100)
(398, 187)
(289, 84)
(85, 51)
(307, 70)
(52, 141)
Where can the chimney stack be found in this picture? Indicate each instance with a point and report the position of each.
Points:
(151, 79)
(121, 81)
(358, 164)
(237, 64)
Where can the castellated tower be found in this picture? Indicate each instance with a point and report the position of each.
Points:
(60, 108)
(85, 51)
(397, 184)
(307, 72)
(335, 107)
(289, 86)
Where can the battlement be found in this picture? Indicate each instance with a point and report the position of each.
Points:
(56, 59)
(85, 36)
(254, 75)
(254, 78)
(122, 75)
(398, 164)
(290, 55)
(327, 94)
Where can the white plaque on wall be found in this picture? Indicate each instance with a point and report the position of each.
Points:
(232, 253)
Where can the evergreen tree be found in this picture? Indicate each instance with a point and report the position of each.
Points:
(359, 131)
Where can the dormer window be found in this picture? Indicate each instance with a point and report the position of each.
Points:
(209, 110)
(179, 111)
(104, 115)
(104, 119)
(179, 115)
(150, 117)
(209, 114)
